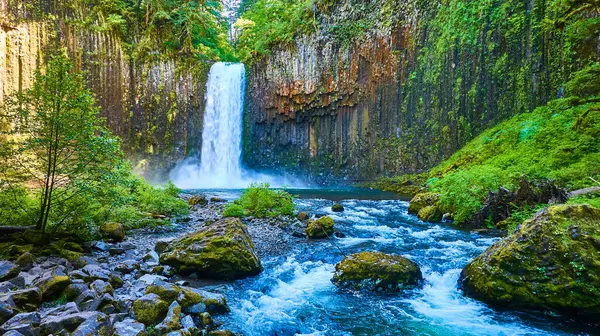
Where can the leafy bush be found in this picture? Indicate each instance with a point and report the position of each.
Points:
(234, 210)
(17, 207)
(261, 201)
(160, 201)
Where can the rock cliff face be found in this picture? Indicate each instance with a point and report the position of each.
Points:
(155, 105)
(421, 82)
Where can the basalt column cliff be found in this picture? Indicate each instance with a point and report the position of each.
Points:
(154, 102)
(386, 87)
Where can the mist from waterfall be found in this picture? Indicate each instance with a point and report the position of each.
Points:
(220, 162)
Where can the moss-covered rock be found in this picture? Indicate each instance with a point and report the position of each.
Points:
(377, 271)
(551, 261)
(16, 251)
(197, 200)
(53, 284)
(337, 207)
(165, 290)
(221, 250)
(423, 200)
(320, 228)
(150, 309)
(302, 216)
(113, 231)
(197, 301)
(430, 213)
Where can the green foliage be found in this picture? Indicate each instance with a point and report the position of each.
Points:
(591, 199)
(233, 210)
(261, 201)
(270, 22)
(62, 170)
(563, 146)
(171, 27)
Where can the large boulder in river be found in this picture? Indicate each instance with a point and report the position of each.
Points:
(220, 250)
(423, 200)
(377, 271)
(319, 228)
(550, 262)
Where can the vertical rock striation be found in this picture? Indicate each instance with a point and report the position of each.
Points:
(383, 88)
(154, 104)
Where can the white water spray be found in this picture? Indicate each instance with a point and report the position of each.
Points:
(220, 162)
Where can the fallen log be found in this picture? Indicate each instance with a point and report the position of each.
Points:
(6, 230)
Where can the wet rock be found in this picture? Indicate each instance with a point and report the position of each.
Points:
(13, 333)
(197, 301)
(337, 207)
(320, 228)
(8, 270)
(97, 324)
(151, 258)
(150, 309)
(70, 322)
(161, 245)
(25, 300)
(25, 261)
(197, 200)
(101, 246)
(128, 266)
(423, 200)
(188, 325)
(171, 321)
(550, 262)
(148, 279)
(217, 200)
(302, 216)
(128, 327)
(24, 323)
(95, 272)
(206, 321)
(430, 213)
(102, 287)
(7, 310)
(222, 250)
(113, 231)
(113, 251)
(52, 284)
(74, 290)
(165, 290)
(377, 271)
(67, 309)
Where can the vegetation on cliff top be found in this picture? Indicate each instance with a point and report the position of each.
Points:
(61, 169)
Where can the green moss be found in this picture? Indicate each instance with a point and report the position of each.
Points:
(423, 200)
(377, 271)
(150, 310)
(549, 262)
(430, 213)
(54, 286)
(320, 228)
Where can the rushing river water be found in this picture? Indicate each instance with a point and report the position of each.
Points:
(294, 294)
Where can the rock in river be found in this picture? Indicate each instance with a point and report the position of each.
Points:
(551, 261)
(221, 250)
(320, 228)
(377, 271)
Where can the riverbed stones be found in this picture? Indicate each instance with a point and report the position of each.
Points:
(302, 216)
(197, 200)
(150, 309)
(113, 231)
(24, 323)
(172, 321)
(128, 327)
(320, 228)
(8, 270)
(25, 300)
(422, 200)
(550, 262)
(376, 271)
(220, 250)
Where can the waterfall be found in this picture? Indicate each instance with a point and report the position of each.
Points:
(222, 130)
(220, 161)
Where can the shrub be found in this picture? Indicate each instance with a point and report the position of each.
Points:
(261, 201)
(233, 210)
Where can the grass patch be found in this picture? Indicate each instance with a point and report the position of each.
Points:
(259, 200)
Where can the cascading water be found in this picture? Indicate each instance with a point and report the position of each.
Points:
(220, 162)
(222, 132)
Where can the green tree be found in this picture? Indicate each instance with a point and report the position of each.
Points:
(57, 146)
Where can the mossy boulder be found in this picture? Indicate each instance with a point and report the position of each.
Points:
(53, 284)
(150, 309)
(550, 262)
(376, 271)
(197, 200)
(320, 228)
(423, 200)
(16, 251)
(113, 231)
(337, 207)
(302, 216)
(430, 213)
(219, 250)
